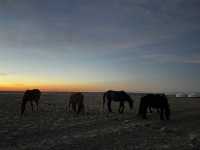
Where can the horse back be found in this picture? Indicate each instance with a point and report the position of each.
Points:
(32, 95)
(116, 95)
(156, 100)
(76, 98)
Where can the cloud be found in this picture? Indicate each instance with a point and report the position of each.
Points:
(3, 74)
(91, 24)
(170, 58)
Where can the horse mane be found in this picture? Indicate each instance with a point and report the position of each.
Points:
(129, 99)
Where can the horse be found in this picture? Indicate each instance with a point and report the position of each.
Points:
(117, 96)
(76, 102)
(156, 101)
(30, 96)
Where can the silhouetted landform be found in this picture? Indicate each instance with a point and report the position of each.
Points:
(76, 102)
(117, 96)
(30, 96)
(158, 101)
(181, 95)
(194, 95)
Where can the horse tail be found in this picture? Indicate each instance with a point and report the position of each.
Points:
(104, 99)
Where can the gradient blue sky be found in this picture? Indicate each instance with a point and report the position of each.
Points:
(136, 45)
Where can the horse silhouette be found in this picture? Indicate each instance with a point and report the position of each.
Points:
(117, 96)
(156, 101)
(30, 96)
(76, 102)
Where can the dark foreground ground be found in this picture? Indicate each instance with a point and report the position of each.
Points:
(53, 128)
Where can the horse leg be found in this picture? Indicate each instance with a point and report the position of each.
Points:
(37, 105)
(119, 110)
(144, 112)
(150, 110)
(23, 107)
(161, 114)
(69, 106)
(31, 102)
(66, 108)
(83, 108)
(109, 106)
(74, 107)
(140, 112)
(167, 113)
(121, 107)
(79, 108)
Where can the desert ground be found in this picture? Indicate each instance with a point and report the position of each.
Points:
(53, 128)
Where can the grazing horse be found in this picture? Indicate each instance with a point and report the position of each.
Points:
(30, 96)
(117, 96)
(157, 101)
(76, 102)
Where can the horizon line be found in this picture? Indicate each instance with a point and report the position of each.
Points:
(138, 92)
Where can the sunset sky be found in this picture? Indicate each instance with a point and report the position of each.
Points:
(96, 45)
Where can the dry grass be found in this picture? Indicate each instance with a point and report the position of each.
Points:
(53, 128)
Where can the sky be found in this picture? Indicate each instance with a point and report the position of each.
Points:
(96, 45)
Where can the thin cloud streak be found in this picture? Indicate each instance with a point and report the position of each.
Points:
(170, 58)
(3, 74)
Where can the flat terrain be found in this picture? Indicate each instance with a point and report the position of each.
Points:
(53, 128)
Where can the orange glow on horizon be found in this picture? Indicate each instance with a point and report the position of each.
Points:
(78, 86)
(54, 87)
(47, 87)
(82, 87)
(64, 86)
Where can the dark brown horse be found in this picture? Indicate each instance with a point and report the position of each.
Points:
(117, 96)
(30, 96)
(156, 101)
(76, 102)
